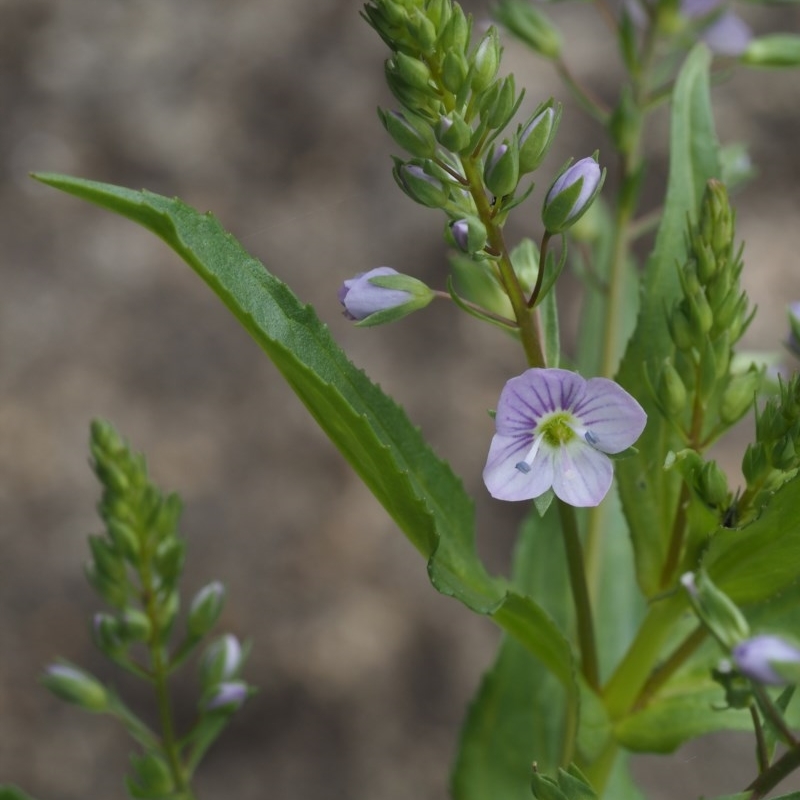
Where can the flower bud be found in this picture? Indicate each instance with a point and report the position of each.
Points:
(106, 635)
(125, 540)
(485, 61)
(205, 609)
(536, 136)
(76, 686)
(680, 330)
(739, 395)
(501, 173)
(382, 295)
(454, 37)
(699, 313)
(454, 133)
(409, 131)
(419, 186)
(671, 391)
(422, 30)
(469, 234)
(784, 454)
(152, 775)
(530, 25)
(571, 194)
(454, 71)
(503, 105)
(135, 625)
(755, 465)
(226, 697)
(777, 50)
(715, 609)
(222, 661)
(411, 71)
(768, 659)
(712, 485)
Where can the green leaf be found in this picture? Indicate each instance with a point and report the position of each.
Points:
(649, 495)
(520, 711)
(756, 562)
(672, 719)
(372, 432)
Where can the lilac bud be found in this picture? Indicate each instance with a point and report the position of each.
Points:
(419, 186)
(221, 661)
(382, 295)
(454, 133)
(571, 194)
(205, 609)
(412, 133)
(226, 697)
(469, 234)
(76, 686)
(761, 659)
(715, 609)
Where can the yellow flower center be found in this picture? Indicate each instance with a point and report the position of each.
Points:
(557, 429)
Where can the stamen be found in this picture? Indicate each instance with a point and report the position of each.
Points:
(523, 467)
(590, 438)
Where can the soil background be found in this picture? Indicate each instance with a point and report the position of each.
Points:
(264, 112)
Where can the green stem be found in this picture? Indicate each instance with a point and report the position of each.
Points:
(774, 715)
(762, 751)
(580, 594)
(631, 675)
(768, 780)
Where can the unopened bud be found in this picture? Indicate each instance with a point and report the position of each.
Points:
(469, 234)
(503, 105)
(409, 131)
(571, 194)
(715, 609)
(671, 391)
(153, 776)
(768, 659)
(713, 486)
(411, 71)
(222, 661)
(536, 136)
(485, 61)
(530, 25)
(226, 697)
(784, 454)
(777, 50)
(680, 329)
(382, 295)
(454, 37)
(501, 173)
(739, 396)
(419, 186)
(205, 609)
(454, 133)
(76, 686)
(454, 71)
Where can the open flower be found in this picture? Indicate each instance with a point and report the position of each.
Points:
(722, 30)
(554, 429)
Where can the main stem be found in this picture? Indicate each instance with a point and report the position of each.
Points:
(580, 594)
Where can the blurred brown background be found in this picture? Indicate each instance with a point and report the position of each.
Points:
(264, 112)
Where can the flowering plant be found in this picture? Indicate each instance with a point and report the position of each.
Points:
(649, 602)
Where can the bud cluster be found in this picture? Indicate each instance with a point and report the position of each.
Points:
(454, 108)
(136, 567)
(704, 325)
(774, 457)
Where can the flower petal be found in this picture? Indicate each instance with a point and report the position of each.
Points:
(728, 36)
(614, 418)
(581, 475)
(528, 397)
(501, 476)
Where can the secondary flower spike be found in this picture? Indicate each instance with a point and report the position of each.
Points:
(554, 429)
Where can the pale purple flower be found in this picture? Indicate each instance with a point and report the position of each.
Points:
(554, 429)
(793, 342)
(755, 657)
(361, 298)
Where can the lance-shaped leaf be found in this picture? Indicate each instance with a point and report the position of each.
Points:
(420, 492)
(649, 494)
